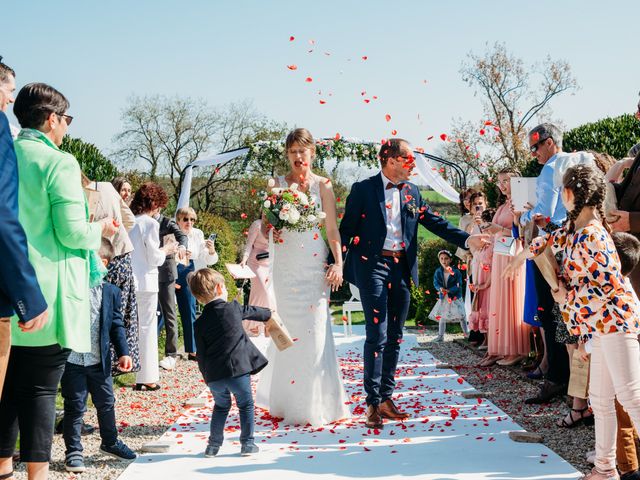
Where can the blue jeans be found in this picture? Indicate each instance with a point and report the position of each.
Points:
(186, 307)
(77, 382)
(385, 311)
(222, 390)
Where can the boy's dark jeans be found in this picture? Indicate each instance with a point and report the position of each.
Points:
(77, 382)
(222, 390)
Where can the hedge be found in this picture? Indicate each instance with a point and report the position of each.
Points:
(614, 136)
(92, 162)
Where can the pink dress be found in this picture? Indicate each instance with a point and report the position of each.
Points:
(480, 273)
(261, 286)
(508, 334)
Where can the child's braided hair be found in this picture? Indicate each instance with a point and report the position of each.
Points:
(589, 188)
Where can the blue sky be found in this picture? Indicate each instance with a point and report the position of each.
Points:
(100, 53)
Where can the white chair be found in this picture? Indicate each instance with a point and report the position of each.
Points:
(352, 305)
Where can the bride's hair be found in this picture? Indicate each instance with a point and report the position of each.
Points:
(303, 137)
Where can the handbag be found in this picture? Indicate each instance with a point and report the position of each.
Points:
(505, 246)
(579, 379)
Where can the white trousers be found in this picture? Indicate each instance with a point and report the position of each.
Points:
(615, 372)
(148, 337)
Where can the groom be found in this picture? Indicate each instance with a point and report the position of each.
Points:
(379, 233)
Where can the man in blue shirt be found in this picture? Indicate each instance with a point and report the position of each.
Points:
(545, 142)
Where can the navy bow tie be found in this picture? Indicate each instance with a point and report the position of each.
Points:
(390, 185)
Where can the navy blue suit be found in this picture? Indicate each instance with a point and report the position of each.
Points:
(19, 289)
(384, 282)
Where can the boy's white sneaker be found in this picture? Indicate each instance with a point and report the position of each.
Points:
(168, 363)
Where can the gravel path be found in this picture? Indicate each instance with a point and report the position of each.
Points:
(145, 416)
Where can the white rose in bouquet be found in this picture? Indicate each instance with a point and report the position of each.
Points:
(294, 216)
(304, 200)
(276, 191)
(271, 183)
(284, 215)
(267, 204)
(294, 187)
(311, 218)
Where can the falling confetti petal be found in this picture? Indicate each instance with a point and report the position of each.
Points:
(292, 67)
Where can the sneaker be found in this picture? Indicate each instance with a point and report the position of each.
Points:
(249, 449)
(211, 451)
(439, 339)
(168, 363)
(119, 450)
(591, 457)
(74, 463)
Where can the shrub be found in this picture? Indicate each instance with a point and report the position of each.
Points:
(92, 162)
(425, 297)
(227, 243)
(614, 136)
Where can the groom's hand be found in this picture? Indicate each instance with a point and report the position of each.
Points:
(478, 241)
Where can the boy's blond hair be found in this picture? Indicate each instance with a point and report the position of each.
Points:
(203, 283)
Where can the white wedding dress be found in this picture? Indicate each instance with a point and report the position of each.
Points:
(303, 384)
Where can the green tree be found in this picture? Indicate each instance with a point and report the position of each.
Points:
(614, 136)
(92, 162)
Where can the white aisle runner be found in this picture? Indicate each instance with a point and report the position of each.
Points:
(448, 437)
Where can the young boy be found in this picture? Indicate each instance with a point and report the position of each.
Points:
(91, 373)
(226, 356)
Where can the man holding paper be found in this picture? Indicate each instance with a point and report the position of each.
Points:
(545, 142)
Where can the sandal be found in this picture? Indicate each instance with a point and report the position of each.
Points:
(574, 422)
(143, 387)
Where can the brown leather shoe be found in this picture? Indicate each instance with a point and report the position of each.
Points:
(389, 410)
(374, 420)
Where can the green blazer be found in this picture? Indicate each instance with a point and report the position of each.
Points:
(54, 213)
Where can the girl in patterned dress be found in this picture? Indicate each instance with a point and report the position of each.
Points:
(599, 306)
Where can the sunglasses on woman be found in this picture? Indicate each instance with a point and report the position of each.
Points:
(189, 219)
(67, 118)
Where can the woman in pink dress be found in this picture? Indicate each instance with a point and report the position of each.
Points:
(256, 257)
(508, 334)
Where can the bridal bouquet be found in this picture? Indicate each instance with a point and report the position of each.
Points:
(291, 209)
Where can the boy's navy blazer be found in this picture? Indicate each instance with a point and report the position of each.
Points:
(365, 218)
(224, 349)
(111, 326)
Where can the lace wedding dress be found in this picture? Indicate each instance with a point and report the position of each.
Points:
(302, 384)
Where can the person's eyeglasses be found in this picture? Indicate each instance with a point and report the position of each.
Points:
(534, 148)
(189, 219)
(67, 118)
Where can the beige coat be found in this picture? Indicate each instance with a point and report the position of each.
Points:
(104, 202)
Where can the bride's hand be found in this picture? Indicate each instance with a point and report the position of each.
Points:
(334, 276)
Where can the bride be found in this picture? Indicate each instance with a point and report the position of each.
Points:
(302, 384)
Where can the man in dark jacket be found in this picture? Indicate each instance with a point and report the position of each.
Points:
(226, 356)
(167, 276)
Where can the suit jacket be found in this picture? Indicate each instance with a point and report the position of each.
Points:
(365, 219)
(19, 288)
(111, 326)
(453, 286)
(224, 350)
(55, 217)
(109, 203)
(168, 271)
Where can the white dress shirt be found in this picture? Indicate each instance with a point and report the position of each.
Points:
(393, 240)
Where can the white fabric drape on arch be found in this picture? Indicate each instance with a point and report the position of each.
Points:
(208, 161)
(432, 178)
(427, 173)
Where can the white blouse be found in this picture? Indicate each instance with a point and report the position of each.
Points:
(199, 253)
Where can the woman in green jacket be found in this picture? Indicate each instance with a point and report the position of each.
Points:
(54, 214)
